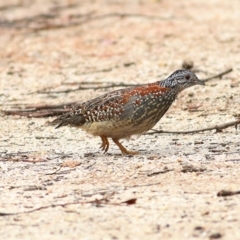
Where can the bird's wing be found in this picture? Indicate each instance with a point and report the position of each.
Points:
(98, 101)
(138, 98)
(106, 107)
(121, 103)
(111, 106)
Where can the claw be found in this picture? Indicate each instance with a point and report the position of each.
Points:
(105, 144)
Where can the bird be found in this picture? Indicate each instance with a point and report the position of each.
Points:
(129, 111)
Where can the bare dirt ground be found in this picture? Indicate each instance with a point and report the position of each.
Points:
(56, 184)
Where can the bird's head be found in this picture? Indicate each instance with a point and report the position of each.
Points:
(182, 79)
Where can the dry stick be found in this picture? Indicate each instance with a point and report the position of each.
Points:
(34, 107)
(127, 64)
(52, 173)
(54, 110)
(90, 88)
(96, 18)
(218, 128)
(85, 18)
(53, 14)
(159, 172)
(218, 75)
(102, 201)
(103, 191)
(225, 193)
(122, 84)
(37, 111)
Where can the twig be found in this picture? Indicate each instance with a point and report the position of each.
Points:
(143, 185)
(34, 107)
(33, 114)
(85, 18)
(22, 157)
(127, 64)
(89, 88)
(38, 111)
(52, 173)
(114, 84)
(96, 18)
(226, 193)
(233, 160)
(191, 168)
(110, 85)
(218, 75)
(55, 110)
(102, 201)
(218, 128)
(159, 172)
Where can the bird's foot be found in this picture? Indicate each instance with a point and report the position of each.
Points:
(123, 149)
(105, 144)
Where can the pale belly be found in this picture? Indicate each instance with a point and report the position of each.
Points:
(115, 129)
(137, 122)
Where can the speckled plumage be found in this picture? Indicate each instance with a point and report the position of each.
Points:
(130, 111)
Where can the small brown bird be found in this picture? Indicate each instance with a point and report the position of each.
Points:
(130, 111)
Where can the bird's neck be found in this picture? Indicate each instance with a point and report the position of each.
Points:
(168, 84)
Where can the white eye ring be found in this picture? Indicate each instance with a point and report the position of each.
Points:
(182, 80)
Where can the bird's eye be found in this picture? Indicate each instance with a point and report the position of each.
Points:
(187, 77)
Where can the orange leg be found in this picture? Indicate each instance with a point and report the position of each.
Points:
(105, 144)
(122, 148)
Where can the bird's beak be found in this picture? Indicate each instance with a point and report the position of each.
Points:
(200, 82)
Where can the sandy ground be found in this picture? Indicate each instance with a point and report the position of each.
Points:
(56, 183)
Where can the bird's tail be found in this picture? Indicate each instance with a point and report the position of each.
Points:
(68, 119)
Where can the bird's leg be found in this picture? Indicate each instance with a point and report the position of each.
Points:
(105, 144)
(122, 148)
